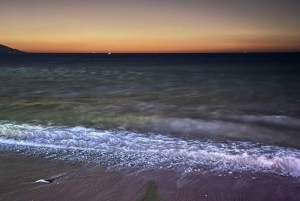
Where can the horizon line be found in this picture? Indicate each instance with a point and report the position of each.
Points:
(240, 52)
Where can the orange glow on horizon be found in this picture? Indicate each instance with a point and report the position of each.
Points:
(142, 26)
(150, 46)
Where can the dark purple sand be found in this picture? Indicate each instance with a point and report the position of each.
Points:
(80, 181)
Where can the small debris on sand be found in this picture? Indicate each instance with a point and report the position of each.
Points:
(45, 181)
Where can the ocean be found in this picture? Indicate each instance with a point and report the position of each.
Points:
(189, 113)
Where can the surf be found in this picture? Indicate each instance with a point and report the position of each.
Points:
(121, 149)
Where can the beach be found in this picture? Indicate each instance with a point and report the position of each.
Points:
(79, 181)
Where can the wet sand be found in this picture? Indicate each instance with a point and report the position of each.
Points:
(80, 181)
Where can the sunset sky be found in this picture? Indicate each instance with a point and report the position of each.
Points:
(150, 26)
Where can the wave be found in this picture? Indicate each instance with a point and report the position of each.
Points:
(264, 129)
(123, 148)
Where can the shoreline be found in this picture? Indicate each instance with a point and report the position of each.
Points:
(82, 181)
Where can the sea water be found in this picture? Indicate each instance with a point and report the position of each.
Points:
(186, 112)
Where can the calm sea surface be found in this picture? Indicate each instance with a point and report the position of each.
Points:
(188, 112)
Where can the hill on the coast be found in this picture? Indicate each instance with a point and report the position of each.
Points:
(7, 50)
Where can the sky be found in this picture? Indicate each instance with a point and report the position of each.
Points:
(150, 26)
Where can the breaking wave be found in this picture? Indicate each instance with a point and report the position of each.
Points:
(131, 149)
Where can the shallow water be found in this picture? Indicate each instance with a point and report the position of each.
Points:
(185, 112)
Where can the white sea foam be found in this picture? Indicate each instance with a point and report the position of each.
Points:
(152, 150)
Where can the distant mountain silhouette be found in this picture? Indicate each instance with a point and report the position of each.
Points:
(7, 50)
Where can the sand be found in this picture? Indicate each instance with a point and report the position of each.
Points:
(93, 182)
